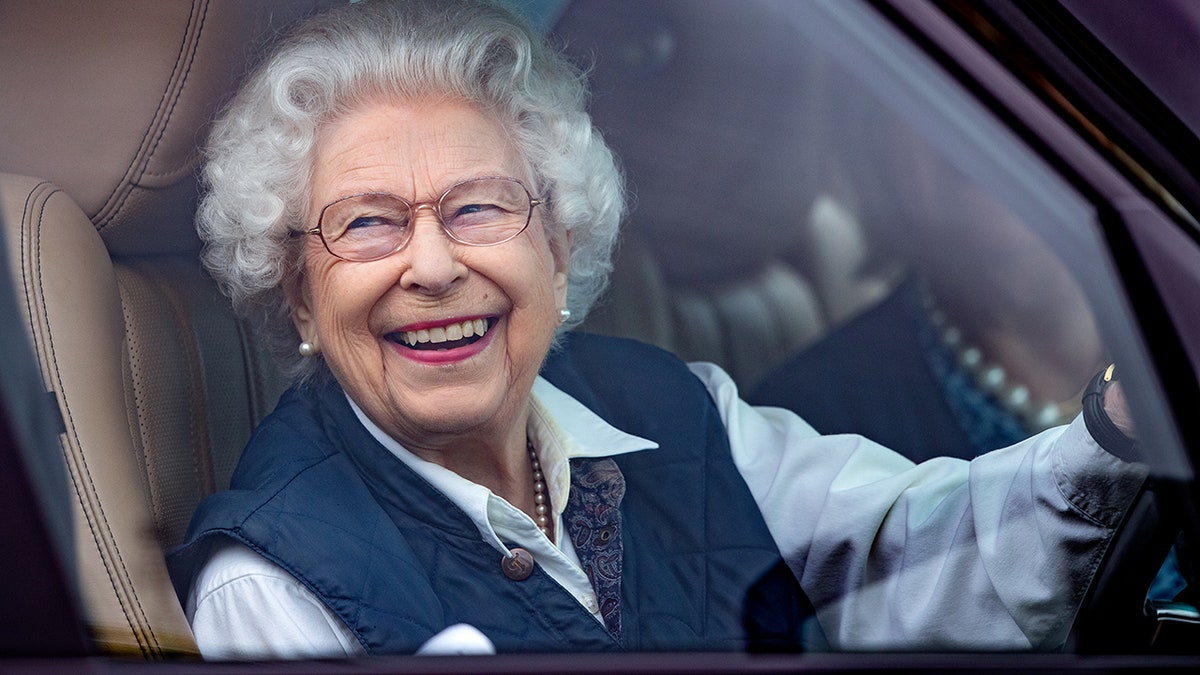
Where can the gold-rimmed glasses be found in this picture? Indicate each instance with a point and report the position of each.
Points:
(483, 211)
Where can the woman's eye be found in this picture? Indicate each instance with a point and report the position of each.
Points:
(369, 226)
(473, 209)
(365, 222)
(369, 222)
(480, 213)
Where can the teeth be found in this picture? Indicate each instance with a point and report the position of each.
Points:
(455, 331)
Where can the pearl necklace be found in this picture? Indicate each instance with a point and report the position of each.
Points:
(541, 502)
(993, 379)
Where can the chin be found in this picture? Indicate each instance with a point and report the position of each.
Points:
(453, 422)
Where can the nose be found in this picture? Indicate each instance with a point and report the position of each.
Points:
(433, 264)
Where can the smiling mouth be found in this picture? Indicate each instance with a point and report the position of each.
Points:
(451, 336)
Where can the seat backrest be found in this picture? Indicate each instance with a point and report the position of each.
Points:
(728, 254)
(158, 384)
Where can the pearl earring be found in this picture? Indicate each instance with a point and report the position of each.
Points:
(307, 349)
(563, 315)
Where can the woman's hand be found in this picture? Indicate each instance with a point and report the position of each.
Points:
(1117, 409)
(1106, 414)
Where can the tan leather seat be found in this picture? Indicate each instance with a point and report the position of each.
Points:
(157, 383)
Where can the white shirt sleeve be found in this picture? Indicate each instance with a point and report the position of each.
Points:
(243, 606)
(989, 554)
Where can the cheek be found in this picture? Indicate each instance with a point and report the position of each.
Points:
(541, 281)
(549, 256)
(340, 299)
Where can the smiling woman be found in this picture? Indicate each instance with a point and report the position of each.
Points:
(357, 312)
(413, 194)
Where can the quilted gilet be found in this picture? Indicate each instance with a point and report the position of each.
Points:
(397, 562)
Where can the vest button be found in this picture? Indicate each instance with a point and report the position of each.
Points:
(518, 565)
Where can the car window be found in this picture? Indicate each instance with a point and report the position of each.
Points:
(831, 170)
(840, 224)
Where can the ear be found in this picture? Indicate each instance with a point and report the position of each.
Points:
(299, 301)
(560, 289)
(560, 249)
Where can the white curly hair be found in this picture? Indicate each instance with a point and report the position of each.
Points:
(259, 156)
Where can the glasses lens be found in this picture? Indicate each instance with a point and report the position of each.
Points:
(486, 210)
(365, 227)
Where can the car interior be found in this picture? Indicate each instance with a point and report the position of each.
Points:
(745, 259)
(734, 262)
(157, 383)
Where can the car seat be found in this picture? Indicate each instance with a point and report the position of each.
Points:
(730, 253)
(158, 385)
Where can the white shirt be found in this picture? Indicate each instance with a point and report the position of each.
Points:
(989, 554)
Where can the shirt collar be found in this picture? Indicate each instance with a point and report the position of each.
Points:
(562, 429)
(556, 419)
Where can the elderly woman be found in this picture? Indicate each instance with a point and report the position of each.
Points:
(413, 199)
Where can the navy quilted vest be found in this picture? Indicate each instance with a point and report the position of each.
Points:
(391, 556)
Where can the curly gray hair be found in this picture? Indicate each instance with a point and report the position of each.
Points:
(260, 153)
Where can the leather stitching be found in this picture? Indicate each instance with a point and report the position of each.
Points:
(158, 126)
(103, 537)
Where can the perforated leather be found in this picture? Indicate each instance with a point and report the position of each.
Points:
(157, 383)
(68, 290)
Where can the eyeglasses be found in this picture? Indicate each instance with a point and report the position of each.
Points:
(478, 212)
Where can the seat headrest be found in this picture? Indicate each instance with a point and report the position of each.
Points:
(711, 112)
(110, 100)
